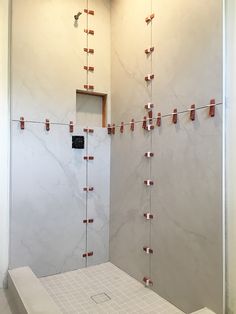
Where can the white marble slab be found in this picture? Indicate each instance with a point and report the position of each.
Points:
(187, 203)
(48, 202)
(98, 207)
(129, 231)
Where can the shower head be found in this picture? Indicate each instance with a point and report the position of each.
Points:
(77, 16)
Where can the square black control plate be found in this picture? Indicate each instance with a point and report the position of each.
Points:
(78, 142)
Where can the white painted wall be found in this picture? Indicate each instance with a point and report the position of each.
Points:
(4, 138)
(231, 153)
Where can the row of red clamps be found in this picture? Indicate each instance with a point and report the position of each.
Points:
(47, 125)
(148, 126)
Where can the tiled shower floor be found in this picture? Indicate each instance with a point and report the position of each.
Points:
(104, 289)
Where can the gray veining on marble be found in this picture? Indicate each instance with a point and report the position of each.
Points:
(48, 201)
(187, 234)
(98, 207)
(48, 56)
(48, 177)
(129, 231)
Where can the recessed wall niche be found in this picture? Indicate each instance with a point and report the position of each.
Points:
(91, 109)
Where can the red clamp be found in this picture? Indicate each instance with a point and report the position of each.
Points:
(149, 106)
(149, 18)
(113, 129)
(108, 129)
(89, 50)
(149, 77)
(149, 127)
(192, 112)
(22, 123)
(148, 216)
(88, 221)
(47, 125)
(148, 250)
(132, 125)
(91, 12)
(88, 158)
(149, 154)
(212, 109)
(88, 68)
(88, 189)
(71, 127)
(149, 50)
(91, 87)
(159, 119)
(148, 282)
(150, 116)
(86, 130)
(144, 123)
(87, 254)
(122, 127)
(175, 116)
(89, 31)
(148, 182)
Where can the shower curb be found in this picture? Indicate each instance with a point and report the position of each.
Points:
(205, 310)
(27, 294)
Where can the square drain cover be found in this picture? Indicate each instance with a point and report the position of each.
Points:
(100, 298)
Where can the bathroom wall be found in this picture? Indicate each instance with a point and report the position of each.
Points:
(48, 177)
(231, 155)
(186, 235)
(4, 140)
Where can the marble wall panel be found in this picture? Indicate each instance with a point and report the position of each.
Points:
(187, 235)
(48, 202)
(129, 231)
(98, 205)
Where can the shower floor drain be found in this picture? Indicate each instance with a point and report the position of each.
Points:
(100, 298)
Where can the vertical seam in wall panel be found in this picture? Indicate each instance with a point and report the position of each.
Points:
(151, 147)
(5, 137)
(86, 209)
(10, 25)
(87, 43)
(224, 158)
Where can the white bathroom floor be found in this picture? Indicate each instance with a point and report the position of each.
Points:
(4, 306)
(104, 289)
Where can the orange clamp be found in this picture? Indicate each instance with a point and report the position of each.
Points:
(149, 18)
(88, 130)
(148, 282)
(91, 87)
(91, 12)
(47, 125)
(175, 116)
(159, 119)
(89, 31)
(144, 122)
(87, 254)
(89, 50)
(71, 127)
(212, 109)
(108, 129)
(132, 125)
(192, 113)
(149, 50)
(88, 68)
(149, 77)
(122, 127)
(22, 123)
(148, 216)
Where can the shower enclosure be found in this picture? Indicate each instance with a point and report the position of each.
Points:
(145, 191)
